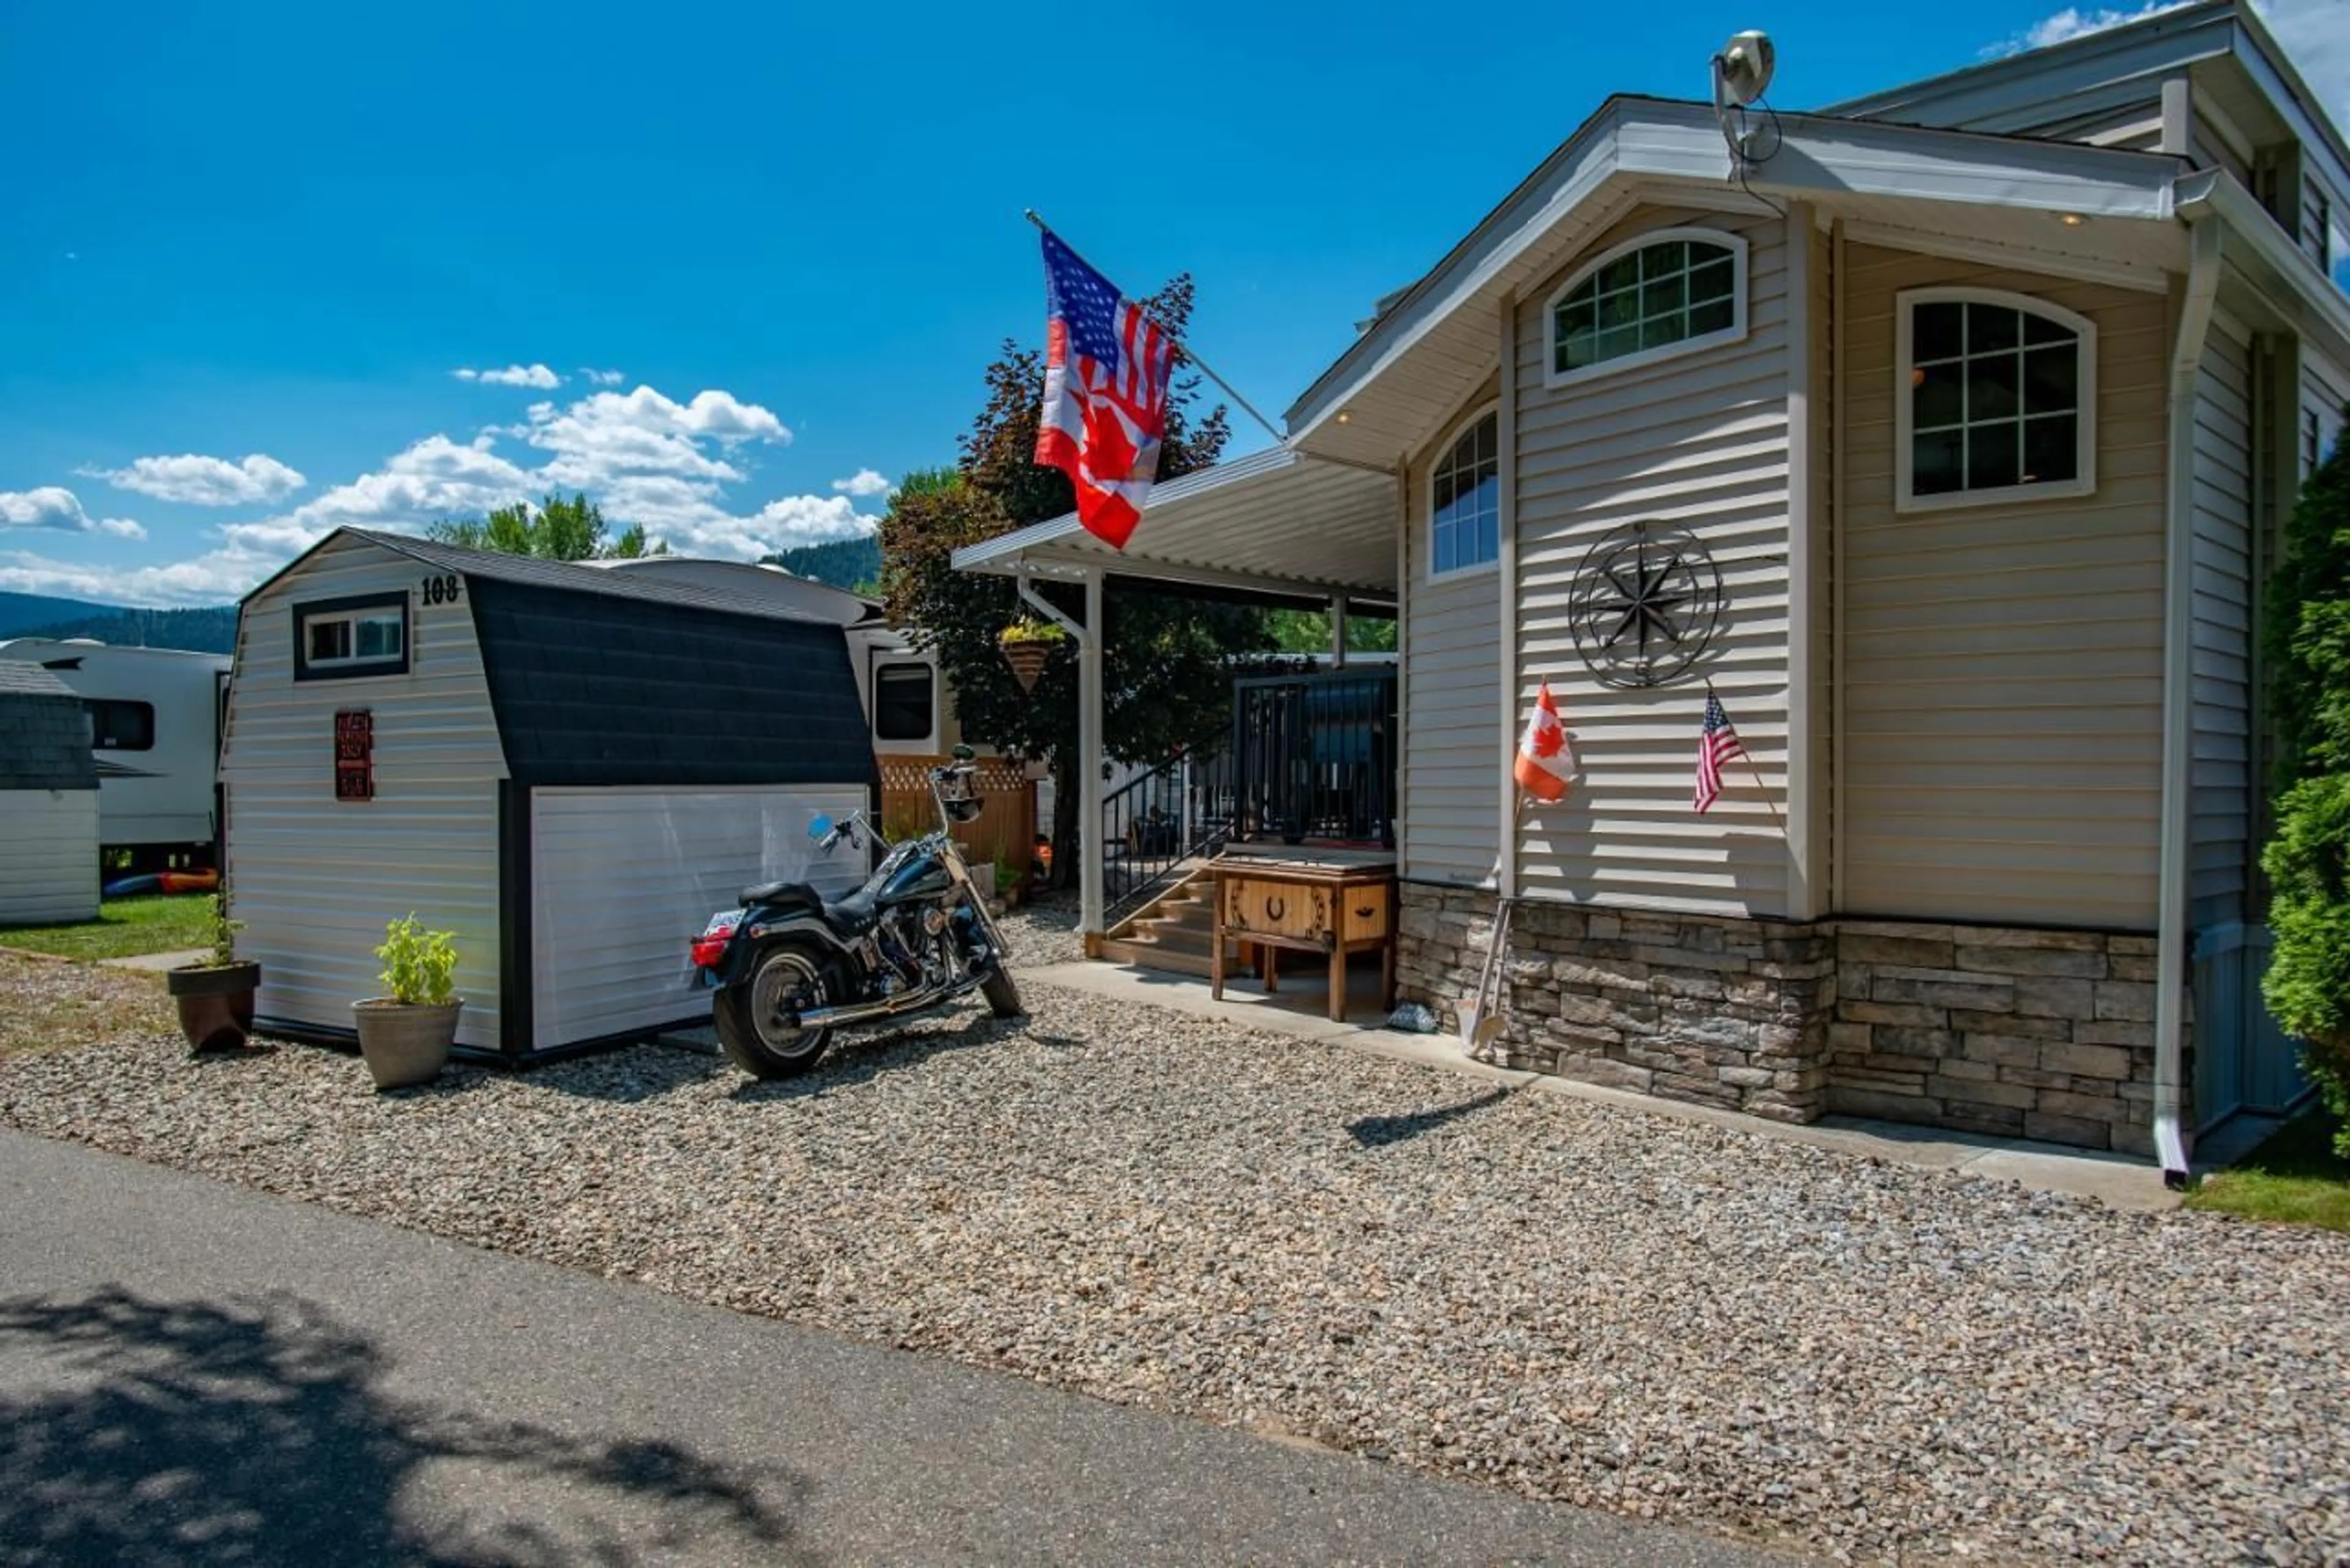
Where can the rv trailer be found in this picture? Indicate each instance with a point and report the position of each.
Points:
(154, 718)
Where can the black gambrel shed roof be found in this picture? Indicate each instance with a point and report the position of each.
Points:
(43, 739)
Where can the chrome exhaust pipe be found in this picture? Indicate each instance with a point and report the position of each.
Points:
(856, 1012)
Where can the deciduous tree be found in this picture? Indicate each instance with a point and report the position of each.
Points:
(1166, 672)
(559, 529)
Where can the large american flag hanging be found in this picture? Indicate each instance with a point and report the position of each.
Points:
(1716, 746)
(1105, 370)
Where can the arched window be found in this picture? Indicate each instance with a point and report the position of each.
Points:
(1464, 498)
(1995, 399)
(1663, 293)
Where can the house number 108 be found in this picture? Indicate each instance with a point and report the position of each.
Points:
(443, 590)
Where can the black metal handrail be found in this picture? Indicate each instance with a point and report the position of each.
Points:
(1152, 826)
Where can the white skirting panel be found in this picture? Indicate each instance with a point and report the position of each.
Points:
(622, 879)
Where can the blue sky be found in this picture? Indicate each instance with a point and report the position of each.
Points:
(728, 268)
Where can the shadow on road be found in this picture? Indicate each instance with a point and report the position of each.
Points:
(1377, 1132)
(165, 1432)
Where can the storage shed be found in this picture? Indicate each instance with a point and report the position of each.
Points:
(569, 768)
(48, 801)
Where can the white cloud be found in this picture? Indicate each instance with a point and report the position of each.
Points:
(54, 507)
(2315, 34)
(864, 482)
(644, 458)
(204, 481)
(533, 375)
(601, 377)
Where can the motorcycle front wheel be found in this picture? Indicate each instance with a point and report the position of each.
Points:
(1003, 996)
(786, 979)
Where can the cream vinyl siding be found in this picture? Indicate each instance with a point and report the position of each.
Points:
(2219, 830)
(48, 856)
(1699, 442)
(2002, 665)
(316, 879)
(1452, 724)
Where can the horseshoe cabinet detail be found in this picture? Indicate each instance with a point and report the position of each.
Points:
(1267, 906)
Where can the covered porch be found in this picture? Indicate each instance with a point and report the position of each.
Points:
(1307, 775)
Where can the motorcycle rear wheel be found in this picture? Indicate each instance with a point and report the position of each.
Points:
(786, 977)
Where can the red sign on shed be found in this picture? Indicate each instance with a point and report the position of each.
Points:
(355, 754)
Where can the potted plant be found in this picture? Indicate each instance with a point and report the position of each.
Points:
(215, 995)
(1026, 646)
(404, 1038)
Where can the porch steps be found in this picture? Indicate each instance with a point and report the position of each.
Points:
(1173, 934)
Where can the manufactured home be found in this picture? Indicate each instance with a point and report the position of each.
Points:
(1943, 439)
(48, 801)
(568, 767)
(154, 720)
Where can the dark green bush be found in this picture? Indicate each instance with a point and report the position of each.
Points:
(2308, 859)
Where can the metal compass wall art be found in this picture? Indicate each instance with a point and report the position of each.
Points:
(1646, 604)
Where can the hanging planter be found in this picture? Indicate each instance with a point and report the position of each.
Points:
(1027, 645)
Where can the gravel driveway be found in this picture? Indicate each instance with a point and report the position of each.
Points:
(1575, 1301)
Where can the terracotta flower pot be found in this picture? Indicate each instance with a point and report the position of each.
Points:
(1027, 660)
(215, 1003)
(404, 1043)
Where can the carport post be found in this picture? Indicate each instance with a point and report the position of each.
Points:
(1091, 860)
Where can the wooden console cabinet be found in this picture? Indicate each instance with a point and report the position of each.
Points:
(1270, 906)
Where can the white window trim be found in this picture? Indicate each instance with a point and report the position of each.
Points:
(1553, 377)
(1437, 454)
(352, 618)
(927, 744)
(1904, 413)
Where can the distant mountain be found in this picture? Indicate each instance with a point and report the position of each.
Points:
(196, 631)
(851, 564)
(20, 613)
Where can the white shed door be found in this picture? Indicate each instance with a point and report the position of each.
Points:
(622, 879)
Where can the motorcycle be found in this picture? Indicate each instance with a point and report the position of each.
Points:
(791, 968)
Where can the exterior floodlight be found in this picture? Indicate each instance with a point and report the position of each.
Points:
(1741, 72)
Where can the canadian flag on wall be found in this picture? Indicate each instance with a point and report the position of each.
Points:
(1545, 762)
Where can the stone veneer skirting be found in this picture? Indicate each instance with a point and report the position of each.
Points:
(2023, 1034)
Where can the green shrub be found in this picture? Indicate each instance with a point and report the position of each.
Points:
(2308, 857)
(418, 964)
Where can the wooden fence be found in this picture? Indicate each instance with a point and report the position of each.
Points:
(1005, 829)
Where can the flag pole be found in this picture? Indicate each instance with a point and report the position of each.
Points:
(1182, 348)
(1748, 757)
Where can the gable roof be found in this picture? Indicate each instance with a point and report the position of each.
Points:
(1646, 144)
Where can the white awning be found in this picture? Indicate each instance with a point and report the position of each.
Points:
(1276, 522)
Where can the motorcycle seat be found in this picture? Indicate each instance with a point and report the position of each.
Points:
(851, 917)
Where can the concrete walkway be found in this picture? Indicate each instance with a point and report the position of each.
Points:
(160, 961)
(191, 1372)
(1301, 1009)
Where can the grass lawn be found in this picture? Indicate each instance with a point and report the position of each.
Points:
(158, 923)
(2295, 1176)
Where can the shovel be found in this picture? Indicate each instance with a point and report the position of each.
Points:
(1480, 1017)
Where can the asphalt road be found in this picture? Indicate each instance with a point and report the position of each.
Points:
(194, 1373)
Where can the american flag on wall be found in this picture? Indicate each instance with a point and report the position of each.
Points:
(1105, 370)
(1716, 745)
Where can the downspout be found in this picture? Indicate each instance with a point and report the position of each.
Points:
(2173, 950)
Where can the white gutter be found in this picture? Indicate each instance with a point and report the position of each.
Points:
(2172, 950)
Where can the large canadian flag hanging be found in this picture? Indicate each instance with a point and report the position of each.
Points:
(1545, 762)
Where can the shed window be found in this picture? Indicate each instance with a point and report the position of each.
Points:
(344, 637)
(903, 701)
(1464, 502)
(119, 726)
(1996, 397)
(1664, 294)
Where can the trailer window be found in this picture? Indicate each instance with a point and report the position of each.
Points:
(343, 637)
(902, 701)
(119, 726)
